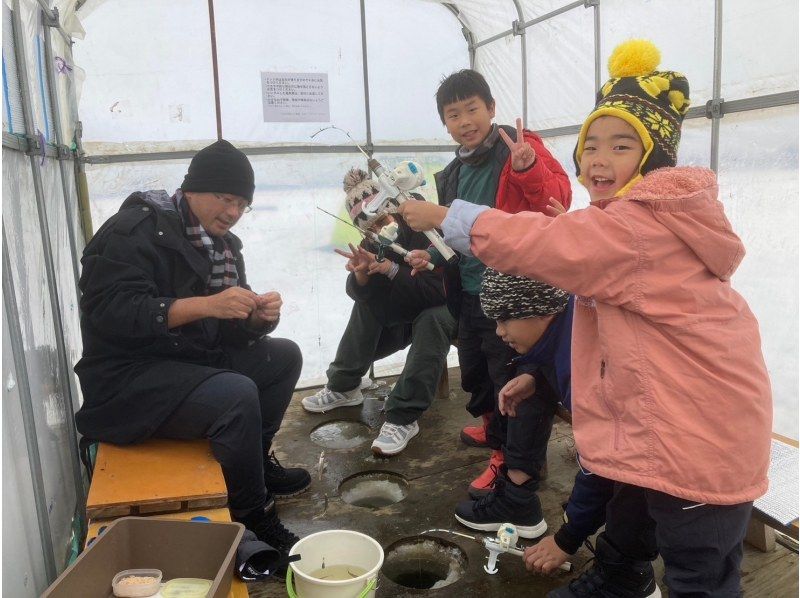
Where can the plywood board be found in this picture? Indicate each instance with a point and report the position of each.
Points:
(171, 473)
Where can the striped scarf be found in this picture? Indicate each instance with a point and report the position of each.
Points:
(217, 249)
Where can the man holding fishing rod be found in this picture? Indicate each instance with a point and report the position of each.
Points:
(392, 309)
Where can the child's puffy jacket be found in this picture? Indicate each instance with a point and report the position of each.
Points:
(669, 386)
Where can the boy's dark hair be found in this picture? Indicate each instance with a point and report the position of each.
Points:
(461, 85)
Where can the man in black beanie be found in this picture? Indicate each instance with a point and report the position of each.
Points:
(175, 342)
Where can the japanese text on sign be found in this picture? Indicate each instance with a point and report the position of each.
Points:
(295, 97)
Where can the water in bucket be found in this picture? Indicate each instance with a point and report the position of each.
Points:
(335, 564)
(338, 572)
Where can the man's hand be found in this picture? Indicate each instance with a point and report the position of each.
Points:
(522, 153)
(268, 309)
(418, 259)
(556, 208)
(545, 557)
(422, 215)
(514, 392)
(235, 303)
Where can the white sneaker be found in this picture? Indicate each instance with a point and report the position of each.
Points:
(393, 438)
(327, 399)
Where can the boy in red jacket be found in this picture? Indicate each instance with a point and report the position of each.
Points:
(501, 167)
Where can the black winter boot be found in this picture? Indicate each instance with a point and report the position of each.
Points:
(506, 503)
(612, 576)
(284, 481)
(264, 523)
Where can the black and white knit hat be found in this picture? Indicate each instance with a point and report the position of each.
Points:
(506, 297)
(360, 191)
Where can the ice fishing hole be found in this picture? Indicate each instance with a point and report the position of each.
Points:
(373, 489)
(424, 563)
(340, 434)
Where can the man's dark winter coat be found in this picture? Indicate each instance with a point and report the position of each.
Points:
(135, 371)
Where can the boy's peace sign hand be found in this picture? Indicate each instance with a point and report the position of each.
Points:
(357, 260)
(522, 154)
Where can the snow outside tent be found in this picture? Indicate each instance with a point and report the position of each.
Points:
(104, 97)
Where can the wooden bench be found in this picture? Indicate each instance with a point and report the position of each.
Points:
(156, 476)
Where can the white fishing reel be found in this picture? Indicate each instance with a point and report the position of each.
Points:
(506, 541)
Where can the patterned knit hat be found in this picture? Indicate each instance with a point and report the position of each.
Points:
(360, 191)
(506, 297)
(652, 102)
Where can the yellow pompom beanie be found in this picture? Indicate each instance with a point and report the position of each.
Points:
(652, 102)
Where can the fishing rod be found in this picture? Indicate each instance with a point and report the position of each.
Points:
(395, 187)
(384, 240)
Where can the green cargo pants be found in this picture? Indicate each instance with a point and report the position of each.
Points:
(366, 340)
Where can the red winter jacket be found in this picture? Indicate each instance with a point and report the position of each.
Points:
(528, 190)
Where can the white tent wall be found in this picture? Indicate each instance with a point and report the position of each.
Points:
(560, 69)
(501, 64)
(51, 384)
(759, 187)
(405, 67)
(41, 242)
(24, 572)
(318, 36)
(149, 88)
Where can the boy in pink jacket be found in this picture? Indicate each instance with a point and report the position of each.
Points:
(671, 397)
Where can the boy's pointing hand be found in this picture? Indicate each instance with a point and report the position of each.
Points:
(522, 154)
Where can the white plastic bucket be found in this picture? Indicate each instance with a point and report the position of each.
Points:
(334, 547)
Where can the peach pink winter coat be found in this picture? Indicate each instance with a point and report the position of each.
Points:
(670, 389)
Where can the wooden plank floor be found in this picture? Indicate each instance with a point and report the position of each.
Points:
(438, 468)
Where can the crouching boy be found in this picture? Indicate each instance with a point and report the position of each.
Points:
(533, 319)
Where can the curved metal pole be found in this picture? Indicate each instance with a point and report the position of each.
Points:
(365, 68)
(717, 85)
(215, 66)
(466, 30)
(524, 49)
(56, 107)
(597, 50)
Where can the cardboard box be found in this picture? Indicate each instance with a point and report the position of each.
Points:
(178, 548)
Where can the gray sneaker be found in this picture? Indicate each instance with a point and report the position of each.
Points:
(327, 399)
(393, 438)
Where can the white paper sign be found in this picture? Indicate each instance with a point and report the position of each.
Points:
(295, 97)
(780, 501)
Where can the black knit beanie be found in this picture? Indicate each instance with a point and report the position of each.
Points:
(507, 297)
(220, 168)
